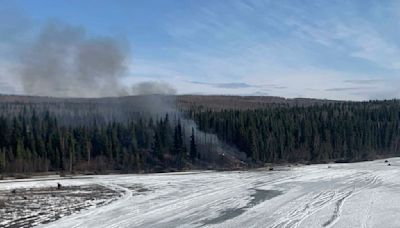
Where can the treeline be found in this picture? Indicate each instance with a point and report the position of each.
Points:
(89, 138)
(36, 142)
(342, 131)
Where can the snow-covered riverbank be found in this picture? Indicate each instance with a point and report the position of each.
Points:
(363, 194)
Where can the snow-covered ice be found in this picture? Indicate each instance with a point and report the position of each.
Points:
(365, 194)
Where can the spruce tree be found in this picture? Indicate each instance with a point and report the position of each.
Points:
(193, 146)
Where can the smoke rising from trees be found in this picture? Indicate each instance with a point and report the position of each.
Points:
(61, 60)
(64, 61)
(151, 88)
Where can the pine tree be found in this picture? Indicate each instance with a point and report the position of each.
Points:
(179, 150)
(193, 146)
(2, 160)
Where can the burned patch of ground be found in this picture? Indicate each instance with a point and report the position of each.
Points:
(33, 206)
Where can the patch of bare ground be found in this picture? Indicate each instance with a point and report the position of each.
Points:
(33, 206)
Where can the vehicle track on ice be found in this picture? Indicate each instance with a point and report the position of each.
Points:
(337, 211)
(318, 201)
(298, 213)
(339, 204)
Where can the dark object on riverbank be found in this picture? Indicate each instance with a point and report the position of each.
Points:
(59, 186)
(386, 161)
(343, 161)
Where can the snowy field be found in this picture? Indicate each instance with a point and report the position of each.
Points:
(338, 195)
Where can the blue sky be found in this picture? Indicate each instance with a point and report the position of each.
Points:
(322, 49)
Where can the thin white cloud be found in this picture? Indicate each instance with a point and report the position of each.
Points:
(288, 60)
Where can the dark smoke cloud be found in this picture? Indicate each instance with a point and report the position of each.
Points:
(64, 61)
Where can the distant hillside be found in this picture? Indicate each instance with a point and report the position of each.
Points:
(80, 110)
(218, 102)
(215, 102)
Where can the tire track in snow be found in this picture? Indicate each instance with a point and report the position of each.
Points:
(297, 214)
(321, 200)
(368, 213)
(339, 204)
(119, 202)
(337, 211)
(178, 204)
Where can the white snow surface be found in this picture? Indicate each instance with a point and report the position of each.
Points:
(365, 194)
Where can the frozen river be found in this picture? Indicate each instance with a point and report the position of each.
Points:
(363, 194)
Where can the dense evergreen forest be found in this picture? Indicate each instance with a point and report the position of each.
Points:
(339, 131)
(37, 143)
(90, 137)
